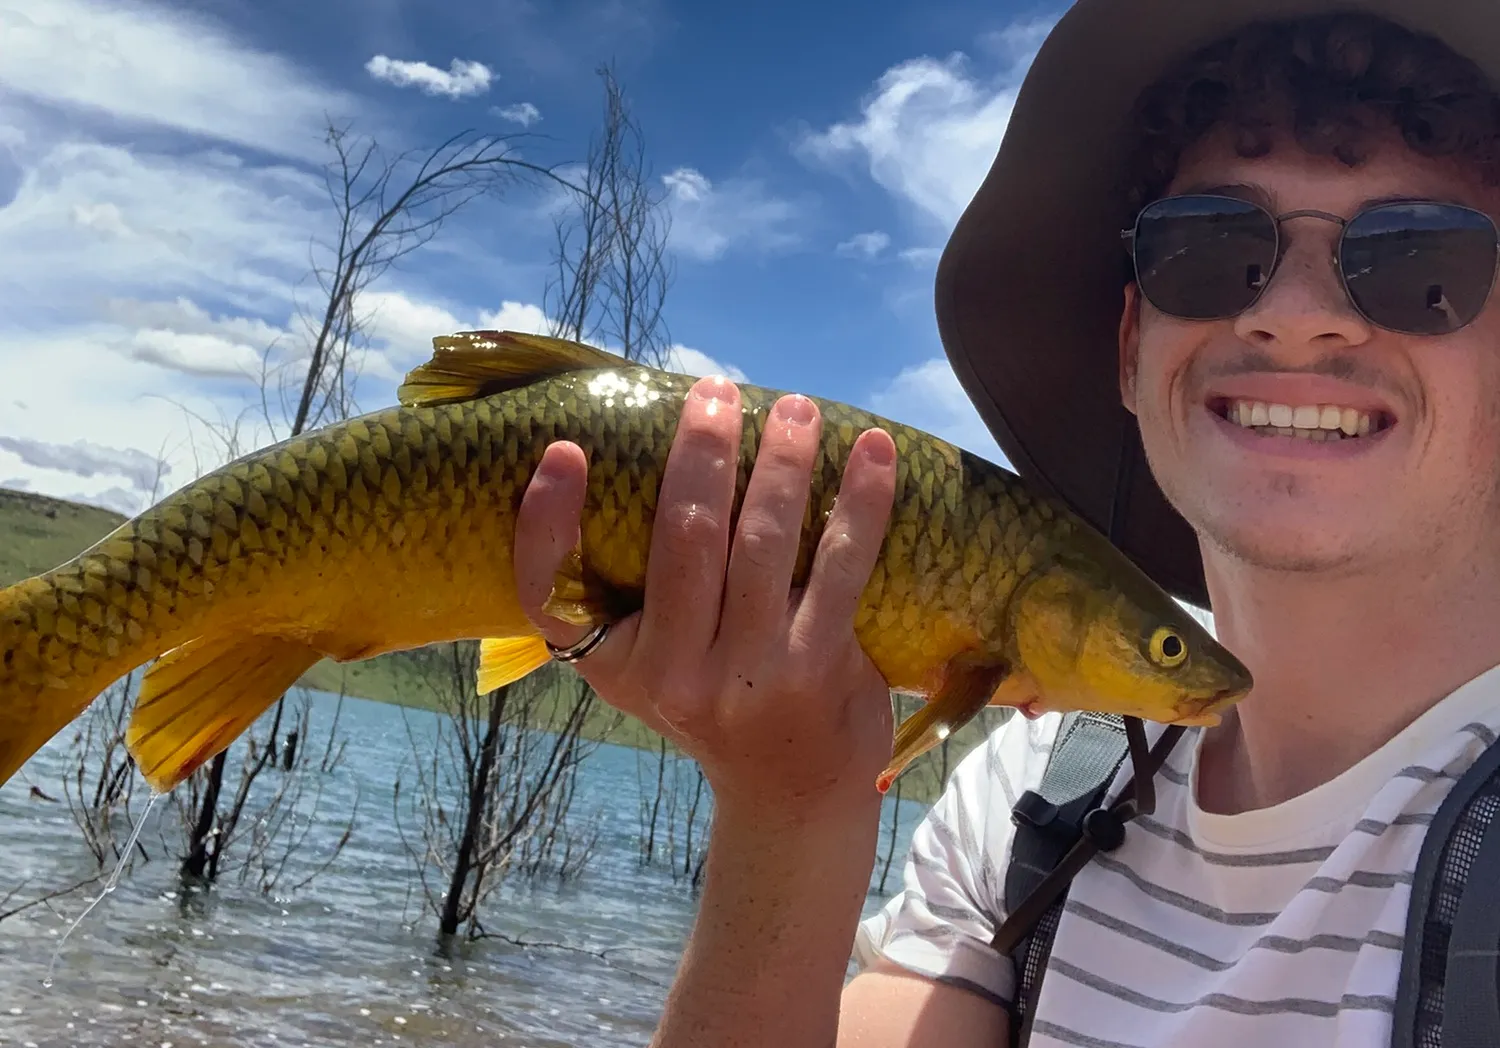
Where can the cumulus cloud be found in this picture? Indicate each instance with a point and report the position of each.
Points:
(461, 79)
(929, 129)
(864, 245)
(709, 219)
(523, 113)
(154, 225)
(202, 356)
(84, 459)
(688, 361)
(161, 65)
(515, 316)
(928, 397)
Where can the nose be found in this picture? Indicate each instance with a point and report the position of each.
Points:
(1304, 305)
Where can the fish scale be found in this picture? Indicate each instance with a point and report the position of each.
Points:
(394, 530)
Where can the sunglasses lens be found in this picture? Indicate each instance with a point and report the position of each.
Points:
(1203, 257)
(1421, 269)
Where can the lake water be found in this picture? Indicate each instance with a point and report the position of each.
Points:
(351, 958)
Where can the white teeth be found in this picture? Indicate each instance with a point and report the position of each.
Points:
(1311, 421)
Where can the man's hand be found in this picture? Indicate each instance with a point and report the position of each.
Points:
(766, 688)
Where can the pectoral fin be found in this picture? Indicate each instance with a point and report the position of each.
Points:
(967, 689)
(198, 698)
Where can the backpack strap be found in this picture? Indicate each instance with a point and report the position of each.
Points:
(1059, 828)
(1448, 993)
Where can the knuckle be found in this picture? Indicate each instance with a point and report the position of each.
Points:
(764, 538)
(847, 557)
(788, 453)
(687, 529)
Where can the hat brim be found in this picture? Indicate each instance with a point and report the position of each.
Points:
(1029, 288)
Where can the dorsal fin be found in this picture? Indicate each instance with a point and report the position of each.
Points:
(473, 364)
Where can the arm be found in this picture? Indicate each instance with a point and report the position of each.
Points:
(767, 958)
(773, 696)
(890, 1007)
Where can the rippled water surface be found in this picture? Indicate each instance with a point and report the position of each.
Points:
(351, 958)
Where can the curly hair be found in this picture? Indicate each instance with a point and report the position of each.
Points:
(1331, 81)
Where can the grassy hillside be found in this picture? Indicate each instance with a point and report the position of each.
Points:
(38, 533)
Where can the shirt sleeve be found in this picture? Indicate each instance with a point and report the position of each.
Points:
(941, 922)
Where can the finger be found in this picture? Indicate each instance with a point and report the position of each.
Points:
(547, 529)
(690, 531)
(766, 536)
(850, 545)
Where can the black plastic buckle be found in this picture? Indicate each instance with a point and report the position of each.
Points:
(1034, 810)
(1104, 829)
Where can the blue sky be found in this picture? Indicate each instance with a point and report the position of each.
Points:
(159, 186)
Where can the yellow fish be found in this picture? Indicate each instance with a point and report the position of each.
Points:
(393, 530)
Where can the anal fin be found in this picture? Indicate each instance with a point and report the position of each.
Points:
(579, 597)
(505, 660)
(198, 698)
(967, 688)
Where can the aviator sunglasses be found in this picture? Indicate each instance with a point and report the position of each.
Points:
(1417, 268)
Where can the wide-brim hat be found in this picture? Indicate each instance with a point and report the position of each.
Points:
(1030, 286)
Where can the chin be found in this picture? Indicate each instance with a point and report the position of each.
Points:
(1274, 550)
(1255, 527)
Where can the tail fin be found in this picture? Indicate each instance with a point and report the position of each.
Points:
(41, 691)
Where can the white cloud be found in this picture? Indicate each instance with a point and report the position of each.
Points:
(922, 257)
(462, 78)
(152, 225)
(929, 130)
(709, 219)
(515, 316)
(523, 113)
(688, 361)
(927, 396)
(864, 245)
(144, 286)
(162, 65)
(84, 459)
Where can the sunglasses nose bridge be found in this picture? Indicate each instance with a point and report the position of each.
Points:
(1304, 299)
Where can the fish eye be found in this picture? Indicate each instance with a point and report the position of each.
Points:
(1168, 649)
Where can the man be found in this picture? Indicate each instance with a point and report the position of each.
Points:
(1308, 350)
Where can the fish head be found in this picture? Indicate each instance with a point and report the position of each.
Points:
(1093, 633)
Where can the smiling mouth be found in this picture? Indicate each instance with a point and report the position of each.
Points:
(1315, 422)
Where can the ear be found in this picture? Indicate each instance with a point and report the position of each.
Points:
(1130, 345)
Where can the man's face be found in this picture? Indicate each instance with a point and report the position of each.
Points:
(1424, 481)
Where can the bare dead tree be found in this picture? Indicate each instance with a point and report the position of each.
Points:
(611, 269)
(491, 785)
(101, 781)
(611, 275)
(385, 207)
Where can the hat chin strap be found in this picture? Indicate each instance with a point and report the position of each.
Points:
(1103, 830)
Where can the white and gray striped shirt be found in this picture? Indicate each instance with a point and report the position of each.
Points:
(1281, 926)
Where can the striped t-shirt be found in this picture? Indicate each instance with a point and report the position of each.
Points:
(1281, 926)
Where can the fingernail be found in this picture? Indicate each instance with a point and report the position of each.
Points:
(880, 450)
(796, 409)
(715, 388)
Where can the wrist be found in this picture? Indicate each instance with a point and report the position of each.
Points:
(846, 809)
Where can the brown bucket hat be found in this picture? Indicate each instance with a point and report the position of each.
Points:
(1029, 288)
